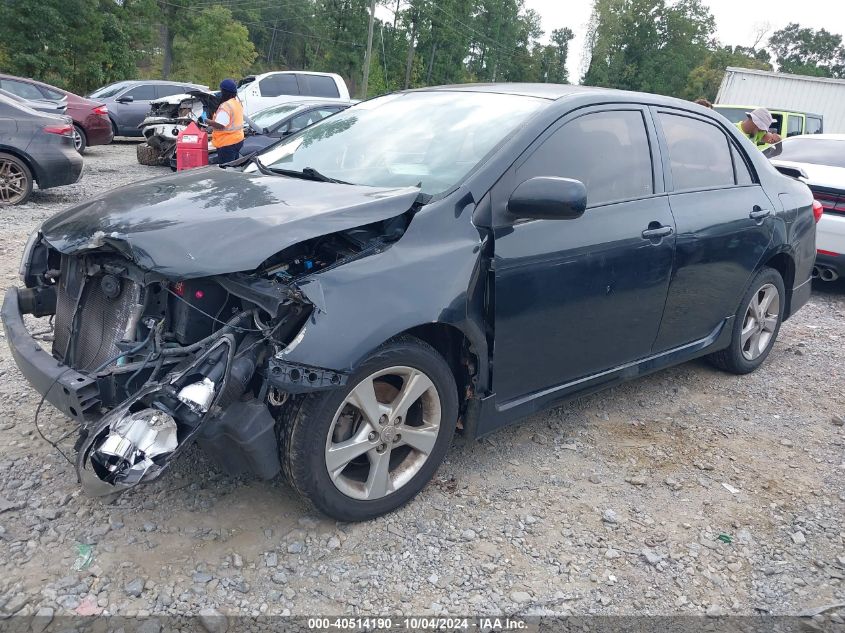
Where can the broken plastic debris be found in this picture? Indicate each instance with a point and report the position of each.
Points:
(730, 488)
(725, 538)
(84, 557)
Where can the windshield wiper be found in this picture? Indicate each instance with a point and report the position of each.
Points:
(253, 158)
(307, 173)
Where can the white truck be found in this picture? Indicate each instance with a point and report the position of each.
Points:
(780, 91)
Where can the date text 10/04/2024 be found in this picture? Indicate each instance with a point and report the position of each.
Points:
(417, 624)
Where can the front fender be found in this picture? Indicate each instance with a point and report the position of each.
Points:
(426, 277)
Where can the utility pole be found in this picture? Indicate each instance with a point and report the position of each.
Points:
(368, 56)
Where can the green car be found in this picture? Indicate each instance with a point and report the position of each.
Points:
(786, 122)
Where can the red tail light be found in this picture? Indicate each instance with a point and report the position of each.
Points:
(818, 209)
(103, 109)
(61, 130)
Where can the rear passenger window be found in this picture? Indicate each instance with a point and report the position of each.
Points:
(699, 153)
(814, 125)
(607, 151)
(165, 90)
(145, 92)
(318, 86)
(743, 175)
(276, 85)
(55, 95)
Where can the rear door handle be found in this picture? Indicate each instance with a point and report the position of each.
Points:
(658, 232)
(758, 213)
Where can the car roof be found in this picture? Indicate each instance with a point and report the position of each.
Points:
(292, 72)
(557, 92)
(157, 82)
(543, 91)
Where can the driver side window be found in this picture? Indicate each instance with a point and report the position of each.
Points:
(608, 151)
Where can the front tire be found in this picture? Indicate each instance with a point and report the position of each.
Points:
(369, 447)
(756, 324)
(148, 155)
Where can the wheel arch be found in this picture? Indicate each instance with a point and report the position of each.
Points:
(783, 262)
(467, 360)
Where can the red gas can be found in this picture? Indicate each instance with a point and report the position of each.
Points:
(191, 148)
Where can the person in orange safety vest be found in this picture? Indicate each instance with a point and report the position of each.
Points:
(227, 125)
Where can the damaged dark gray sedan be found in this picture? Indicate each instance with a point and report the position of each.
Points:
(429, 261)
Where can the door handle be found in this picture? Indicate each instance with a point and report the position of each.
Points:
(657, 233)
(758, 213)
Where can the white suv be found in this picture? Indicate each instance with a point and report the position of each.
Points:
(262, 91)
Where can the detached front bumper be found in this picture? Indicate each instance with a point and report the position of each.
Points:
(71, 392)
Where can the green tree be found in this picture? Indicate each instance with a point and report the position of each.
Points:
(552, 58)
(704, 80)
(647, 45)
(75, 44)
(804, 51)
(216, 46)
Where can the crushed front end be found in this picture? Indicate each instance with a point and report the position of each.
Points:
(148, 365)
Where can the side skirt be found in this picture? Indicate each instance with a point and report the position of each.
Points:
(494, 415)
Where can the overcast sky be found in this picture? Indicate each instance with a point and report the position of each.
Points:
(737, 21)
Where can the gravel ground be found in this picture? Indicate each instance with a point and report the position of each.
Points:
(613, 504)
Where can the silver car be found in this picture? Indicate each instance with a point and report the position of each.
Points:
(129, 101)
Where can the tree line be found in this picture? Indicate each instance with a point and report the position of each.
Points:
(650, 45)
(670, 48)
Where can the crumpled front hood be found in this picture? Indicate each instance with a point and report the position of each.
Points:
(214, 221)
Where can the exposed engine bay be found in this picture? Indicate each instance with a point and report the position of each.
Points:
(167, 117)
(171, 362)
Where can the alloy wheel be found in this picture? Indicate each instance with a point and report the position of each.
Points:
(13, 184)
(77, 139)
(383, 433)
(761, 321)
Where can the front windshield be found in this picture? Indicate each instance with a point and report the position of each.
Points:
(108, 91)
(431, 139)
(269, 117)
(815, 151)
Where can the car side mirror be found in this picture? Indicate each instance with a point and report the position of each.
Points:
(126, 99)
(548, 198)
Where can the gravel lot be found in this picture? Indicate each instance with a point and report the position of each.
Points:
(613, 504)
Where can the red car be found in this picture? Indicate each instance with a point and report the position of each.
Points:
(91, 124)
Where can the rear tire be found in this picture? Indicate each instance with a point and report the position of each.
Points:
(80, 140)
(756, 324)
(15, 180)
(381, 451)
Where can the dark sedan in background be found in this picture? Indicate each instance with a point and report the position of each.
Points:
(440, 260)
(91, 124)
(128, 102)
(271, 124)
(34, 148)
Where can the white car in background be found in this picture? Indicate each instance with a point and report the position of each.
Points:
(258, 92)
(820, 161)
